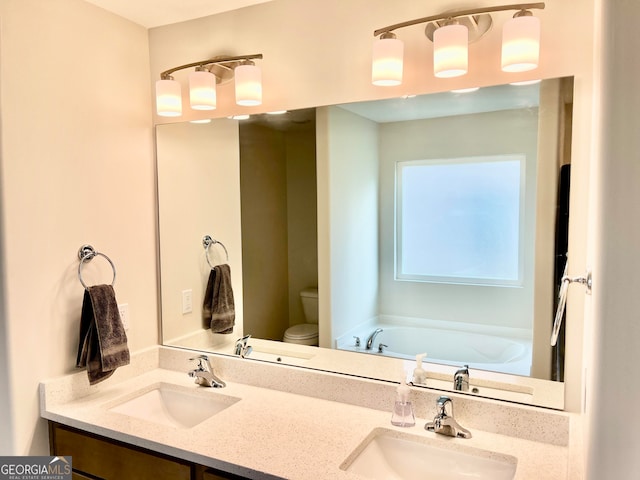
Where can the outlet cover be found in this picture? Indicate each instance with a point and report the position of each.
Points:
(187, 301)
(124, 315)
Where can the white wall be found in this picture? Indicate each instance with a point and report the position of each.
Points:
(612, 395)
(494, 133)
(348, 183)
(199, 192)
(77, 167)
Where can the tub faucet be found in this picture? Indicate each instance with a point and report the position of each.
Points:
(204, 373)
(242, 348)
(372, 337)
(445, 424)
(461, 379)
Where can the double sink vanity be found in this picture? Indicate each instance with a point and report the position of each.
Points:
(277, 421)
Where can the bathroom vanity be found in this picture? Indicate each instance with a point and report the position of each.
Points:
(276, 421)
(95, 457)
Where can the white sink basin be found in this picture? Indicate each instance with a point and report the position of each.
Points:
(392, 455)
(173, 405)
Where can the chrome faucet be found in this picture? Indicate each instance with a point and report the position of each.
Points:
(445, 424)
(242, 348)
(204, 373)
(461, 379)
(372, 337)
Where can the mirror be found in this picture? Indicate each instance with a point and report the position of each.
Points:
(312, 199)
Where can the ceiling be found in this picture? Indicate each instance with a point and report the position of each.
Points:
(434, 105)
(154, 13)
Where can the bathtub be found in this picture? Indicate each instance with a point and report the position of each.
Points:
(450, 347)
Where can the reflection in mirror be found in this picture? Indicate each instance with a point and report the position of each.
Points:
(279, 225)
(432, 220)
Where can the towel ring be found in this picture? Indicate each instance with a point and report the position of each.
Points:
(587, 281)
(207, 241)
(86, 254)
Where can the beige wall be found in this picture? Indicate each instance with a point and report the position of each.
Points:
(77, 167)
(264, 231)
(77, 155)
(199, 194)
(302, 218)
(279, 226)
(317, 52)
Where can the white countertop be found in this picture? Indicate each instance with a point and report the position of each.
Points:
(271, 433)
(372, 365)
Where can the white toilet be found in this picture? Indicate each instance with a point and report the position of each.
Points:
(305, 333)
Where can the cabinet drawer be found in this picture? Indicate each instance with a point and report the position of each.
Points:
(209, 475)
(109, 460)
(79, 476)
(205, 473)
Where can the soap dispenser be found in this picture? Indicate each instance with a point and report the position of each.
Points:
(419, 375)
(402, 415)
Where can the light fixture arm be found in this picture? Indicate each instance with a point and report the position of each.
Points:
(166, 75)
(461, 13)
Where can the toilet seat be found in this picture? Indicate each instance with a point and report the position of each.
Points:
(304, 334)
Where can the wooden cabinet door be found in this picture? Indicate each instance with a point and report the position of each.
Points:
(105, 459)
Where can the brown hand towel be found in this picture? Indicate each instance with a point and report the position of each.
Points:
(218, 309)
(103, 342)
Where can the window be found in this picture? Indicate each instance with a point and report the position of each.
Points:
(460, 220)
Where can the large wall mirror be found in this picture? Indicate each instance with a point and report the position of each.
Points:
(364, 234)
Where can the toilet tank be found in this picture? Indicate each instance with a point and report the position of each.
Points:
(309, 297)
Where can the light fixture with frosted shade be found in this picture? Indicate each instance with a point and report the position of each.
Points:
(248, 83)
(387, 64)
(452, 32)
(521, 42)
(202, 89)
(451, 50)
(202, 84)
(168, 97)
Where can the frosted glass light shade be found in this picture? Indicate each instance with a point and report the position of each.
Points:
(386, 67)
(248, 84)
(202, 90)
(521, 44)
(451, 51)
(168, 98)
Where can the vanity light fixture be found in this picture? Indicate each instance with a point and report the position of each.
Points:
(388, 52)
(451, 33)
(248, 81)
(450, 50)
(521, 42)
(202, 89)
(203, 81)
